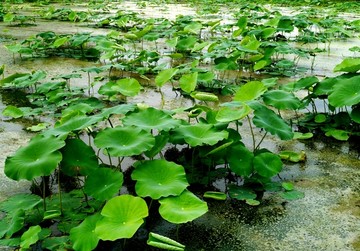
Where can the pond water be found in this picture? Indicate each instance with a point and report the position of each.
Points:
(327, 219)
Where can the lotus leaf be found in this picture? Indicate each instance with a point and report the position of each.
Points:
(193, 28)
(151, 119)
(83, 236)
(204, 96)
(103, 183)
(346, 92)
(241, 193)
(188, 82)
(118, 109)
(127, 86)
(183, 208)
(281, 100)
(338, 134)
(240, 160)
(23, 201)
(56, 243)
(78, 158)
(250, 91)
(13, 223)
(348, 65)
(162, 242)
(199, 134)
(124, 141)
(215, 195)
(292, 195)
(355, 114)
(267, 164)
(39, 158)
(159, 178)
(122, 217)
(30, 237)
(292, 156)
(271, 122)
(305, 83)
(186, 43)
(12, 111)
(232, 113)
(165, 76)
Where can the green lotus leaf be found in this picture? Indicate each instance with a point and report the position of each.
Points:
(293, 156)
(193, 27)
(348, 65)
(77, 123)
(12, 111)
(30, 237)
(186, 43)
(103, 183)
(240, 160)
(83, 236)
(288, 186)
(241, 193)
(232, 113)
(108, 90)
(160, 142)
(267, 164)
(165, 76)
(355, 114)
(124, 141)
(250, 91)
(162, 242)
(346, 92)
(188, 82)
(23, 201)
(305, 83)
(183, 208)
(199, 134)
(320, 118)
(281, 100)
(299, 135)
(338, 134)
(118, 109)
(271, 122)
(13, 223)
(151, 119)
(127, 87)
(78, 158)
(56, 243)
(204, 96)
(252, 202)
(12, 242)
(292, 195)
(215, 195)
(39, 158)
(260, 64)
(159, 178)
(122, 217)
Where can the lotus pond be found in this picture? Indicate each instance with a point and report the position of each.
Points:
(149, 125)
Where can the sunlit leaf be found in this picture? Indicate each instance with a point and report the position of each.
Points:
(162, 242)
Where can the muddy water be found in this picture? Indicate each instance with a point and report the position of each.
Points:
(327, 219)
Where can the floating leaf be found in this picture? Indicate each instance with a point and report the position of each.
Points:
(292, 195)
(56, 243)
(338, 134)
(267, 164)
(293, 156)
(348, 65)
(287, 186)
(124, 141)
(103, 183)
(252, 202)
(122, 217)
(183, 208)
(12, 111)
(30, 237)
(281, 100)
(271, 122)
(215, 195)
(193, 27)
(83, 236)
(199, 134)
(250, 91)
(298, 135)
(39, 158)
(162, 242)
(241, 193)
(150, 119)
(78, 158)
(346, 92)
(159, 178)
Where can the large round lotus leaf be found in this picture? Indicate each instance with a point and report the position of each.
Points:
(39, 158)
(271, 122)
(348, 65)
(103, 183)
(267, 164)
(165, 76)
(119, 109)
(188, 82)
(127, 86)
(23, 201)
(122, 216)
(183, 208)
(124, 141)
(159, 178)
(199, 134)
(83, 237)
(78, 158)
(281, 100)
(305, 83)
(76, 123)
(150, 119)
(346, 92)
(228, 113)
(240, 160)
(250, 91)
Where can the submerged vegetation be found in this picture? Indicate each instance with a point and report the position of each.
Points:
(104, 168)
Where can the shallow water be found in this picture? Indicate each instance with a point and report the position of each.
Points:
(327, 219)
